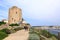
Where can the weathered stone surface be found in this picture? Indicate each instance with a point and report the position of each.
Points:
(15, 15)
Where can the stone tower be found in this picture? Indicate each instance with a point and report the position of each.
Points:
(15, 15)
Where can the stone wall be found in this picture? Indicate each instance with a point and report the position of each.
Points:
(15, 15)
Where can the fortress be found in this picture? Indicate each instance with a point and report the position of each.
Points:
(15, 15)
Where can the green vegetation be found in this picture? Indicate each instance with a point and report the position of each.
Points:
(14, 24)
(46, 34)
(7, 31)
(34, 37)
(41, 33)
(3, 34)
(2, 23)
(18, 28)
(15, 28)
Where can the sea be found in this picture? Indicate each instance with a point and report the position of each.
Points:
(54, 31)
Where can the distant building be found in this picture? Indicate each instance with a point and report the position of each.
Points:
(15, 15)
(4, 20)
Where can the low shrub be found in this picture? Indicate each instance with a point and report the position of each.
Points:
(33, 37)
(40, 32)
(3, 35)
(2, 23)
(47, 34)
(7, 31)
(18, 28)
(31, 31)
(14, 25)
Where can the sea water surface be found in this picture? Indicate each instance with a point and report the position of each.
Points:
(54, 31)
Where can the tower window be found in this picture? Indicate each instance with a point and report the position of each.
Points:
(12, 18)
(16, 12)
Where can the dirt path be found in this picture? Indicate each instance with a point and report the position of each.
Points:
(19, 35)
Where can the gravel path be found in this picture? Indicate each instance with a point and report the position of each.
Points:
(19, 35)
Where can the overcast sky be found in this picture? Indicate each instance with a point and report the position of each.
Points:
(35, 12)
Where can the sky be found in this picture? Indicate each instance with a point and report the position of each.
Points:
(35, 12)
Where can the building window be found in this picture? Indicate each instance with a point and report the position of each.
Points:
(16, 12)
(12, 18)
